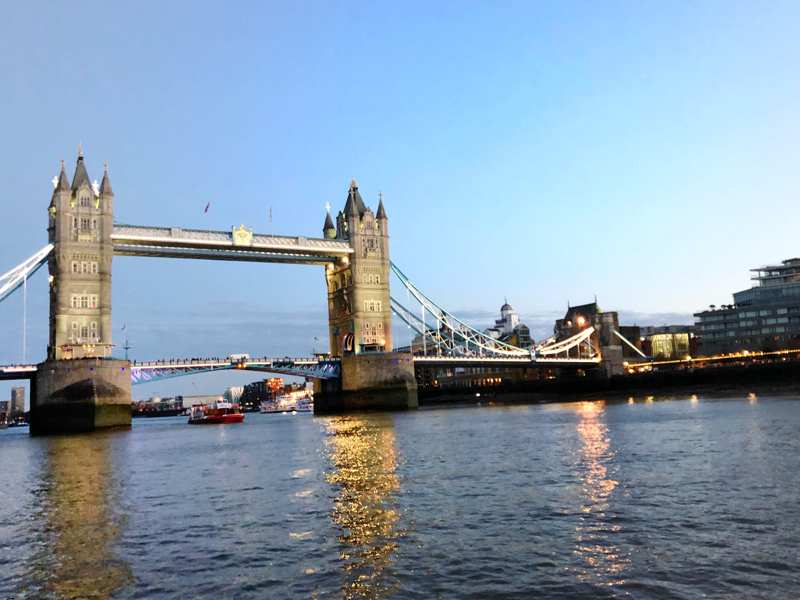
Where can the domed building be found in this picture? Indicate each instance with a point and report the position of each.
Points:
(508, 328)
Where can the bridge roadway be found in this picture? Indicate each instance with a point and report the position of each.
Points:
(314, 368)
(239, 244)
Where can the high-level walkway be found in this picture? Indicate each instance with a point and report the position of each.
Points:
(240, 244)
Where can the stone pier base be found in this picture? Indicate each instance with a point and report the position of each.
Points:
(372, 381)
(72, 396)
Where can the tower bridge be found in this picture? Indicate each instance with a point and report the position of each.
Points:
(81, 386)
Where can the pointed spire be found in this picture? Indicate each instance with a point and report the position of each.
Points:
(105, 185)
(81, 176)
(381, 214)
(63, 181)
(328, 229)
(350, 205)
(358, 201)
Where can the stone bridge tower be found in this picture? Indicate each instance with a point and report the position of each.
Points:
(360, 316)
(79, 387)
(80, 226)
(359, 307)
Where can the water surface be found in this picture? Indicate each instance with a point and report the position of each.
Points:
(648, 498)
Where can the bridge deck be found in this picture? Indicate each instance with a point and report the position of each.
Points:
(238, 244)
(11, 372)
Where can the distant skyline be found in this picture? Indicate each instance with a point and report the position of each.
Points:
(547, 152)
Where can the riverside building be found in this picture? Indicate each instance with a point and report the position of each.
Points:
(763, 318)
(508, 328)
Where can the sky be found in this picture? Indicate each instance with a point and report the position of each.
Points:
(547, 152)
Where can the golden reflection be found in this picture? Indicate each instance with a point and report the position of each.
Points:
(602, 560)
(78, 513)
(364, 460)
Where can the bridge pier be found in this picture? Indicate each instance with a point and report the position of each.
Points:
(372, 381)
(79, 395)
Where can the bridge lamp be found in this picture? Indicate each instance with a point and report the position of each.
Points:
(329, 266)
(581, 321)
(345, 260)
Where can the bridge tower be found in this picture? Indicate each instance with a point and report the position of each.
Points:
(359, 314)
(80, 224)
(79, 387)
(359, 308)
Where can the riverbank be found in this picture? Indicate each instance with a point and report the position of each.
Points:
(781, 378)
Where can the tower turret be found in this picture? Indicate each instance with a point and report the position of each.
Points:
(381, 214)
(329, 229)
(105, 185)
(62, 182)
(81, 176)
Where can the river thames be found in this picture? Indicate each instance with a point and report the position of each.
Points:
(680, 497)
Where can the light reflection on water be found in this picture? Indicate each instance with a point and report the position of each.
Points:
(81, 524)
(364, 461)
(602, 560)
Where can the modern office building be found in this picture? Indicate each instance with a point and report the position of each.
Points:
(763, 318)
(16, 408)
(667, 342)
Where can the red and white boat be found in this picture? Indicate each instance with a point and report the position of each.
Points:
(215, 414)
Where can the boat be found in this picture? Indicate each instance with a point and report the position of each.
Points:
(215, 414)
(287, 403)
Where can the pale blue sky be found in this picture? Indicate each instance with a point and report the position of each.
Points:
(646, 152)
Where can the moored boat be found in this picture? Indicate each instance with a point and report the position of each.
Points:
(215, 414)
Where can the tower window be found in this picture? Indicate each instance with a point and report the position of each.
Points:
(93, 330)
(85, 202)
(94, 268)
(74, 266)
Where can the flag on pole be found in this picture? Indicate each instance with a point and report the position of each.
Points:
(205, 210)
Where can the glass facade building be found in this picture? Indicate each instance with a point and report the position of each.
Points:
(765, 317)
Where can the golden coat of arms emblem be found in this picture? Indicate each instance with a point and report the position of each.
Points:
(242, 236)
